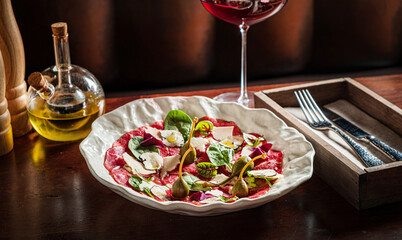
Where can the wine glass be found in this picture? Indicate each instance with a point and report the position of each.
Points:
(243, 13)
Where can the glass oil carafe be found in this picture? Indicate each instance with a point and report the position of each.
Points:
(64, 99)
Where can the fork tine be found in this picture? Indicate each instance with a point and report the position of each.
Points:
(311, 110)
(312, 106)
(303, 105)
(309, 107)
(322, 115)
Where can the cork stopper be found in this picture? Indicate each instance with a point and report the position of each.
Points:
(37, 81)
(59, 29)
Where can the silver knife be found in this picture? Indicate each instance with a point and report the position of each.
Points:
(362, 135)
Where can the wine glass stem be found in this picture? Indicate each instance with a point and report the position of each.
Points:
(243, 98)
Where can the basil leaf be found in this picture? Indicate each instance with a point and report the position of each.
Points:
(191, 181)
(204, 127)
(220, 155)
(135, 147)
(180, 121)
(207, 169)
(135, 182)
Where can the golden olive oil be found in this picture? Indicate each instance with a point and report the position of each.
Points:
(64, 127)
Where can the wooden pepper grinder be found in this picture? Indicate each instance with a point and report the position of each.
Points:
(12, 49)
(6, 134)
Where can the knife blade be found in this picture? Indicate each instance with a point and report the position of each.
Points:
(362, 135)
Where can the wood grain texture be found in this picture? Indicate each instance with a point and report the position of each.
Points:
(332, 166)
(377, 107)
(6, 134)
(48, 192)
(12, 50)
(335, 169)
(316, 89)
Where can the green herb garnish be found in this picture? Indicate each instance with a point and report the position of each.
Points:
(207, 169)
(179, 121)
(220, 155)
(136, 181)
(204, 127)
(229, 199)
(191, 181)
(135, 147)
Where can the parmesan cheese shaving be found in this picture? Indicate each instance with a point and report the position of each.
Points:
(215, 192)
(200, 143)
(172, 138)
(219, 178)
(160, 192)
(154, 132)
(264, 173)
(136, 166)
(152, 160)
(169, 163)
(246, 151)
(220, 133)
(145, 184)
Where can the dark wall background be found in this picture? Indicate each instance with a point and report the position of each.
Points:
(133, 45)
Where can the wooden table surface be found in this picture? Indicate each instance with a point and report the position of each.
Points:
(47, 192)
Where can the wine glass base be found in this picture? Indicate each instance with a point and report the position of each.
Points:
(234, 97)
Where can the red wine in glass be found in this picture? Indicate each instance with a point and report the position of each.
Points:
(242, 13)
(235, 12)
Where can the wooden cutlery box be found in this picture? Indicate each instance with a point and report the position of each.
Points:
(366, 188)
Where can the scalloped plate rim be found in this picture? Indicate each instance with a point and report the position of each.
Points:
(179, 207)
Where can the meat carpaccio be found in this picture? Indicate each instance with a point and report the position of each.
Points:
(148, 160)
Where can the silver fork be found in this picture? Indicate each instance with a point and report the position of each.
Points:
(317, 119)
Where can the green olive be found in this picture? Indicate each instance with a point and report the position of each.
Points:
(240, 163)
(180, 189)
(191, 156)
(240, 188)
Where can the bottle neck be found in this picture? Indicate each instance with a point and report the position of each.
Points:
(46, 91)
(62, 52)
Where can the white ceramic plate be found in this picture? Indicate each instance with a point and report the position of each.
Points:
(298, 153)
